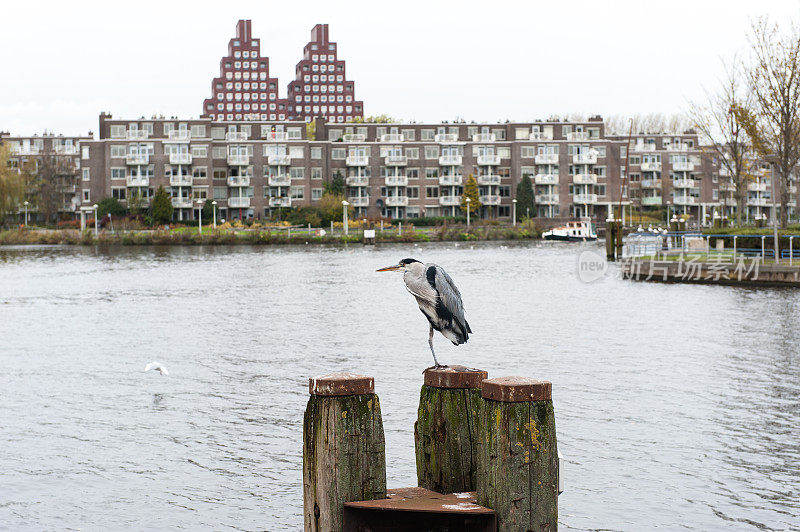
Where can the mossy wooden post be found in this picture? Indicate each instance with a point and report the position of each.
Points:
(444, 434)
(517, 455)
(344, 455)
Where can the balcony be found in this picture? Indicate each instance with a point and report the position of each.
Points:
(651, 183)
(685, 200)
(27, 150)
(488, 160)
(276, 136)
(396, 201)
(66, 150)
(685, 183)
(358, 201)
(678, 147)
(651, 200)
(724, 171)
(792, 189)
(728, 201)
(235, 202)
(279, 160)
(180, 158)
(357, 160)
(396, 160)
(450, 201)
(546, 179)
(584, 198)
(137, 181)
(239, 181)
(644, 147)
(450, 160)
(727, 187)
(136, 134)
(138, 158)
(651, 167)
(180, 180)
(391, 137)
(490, 200)
(578, 135)
(683, 166)
(396, 180)
(584, 179)
(589, 157)
(354, 137)
(181, 135)
(757, 187)
(357, 181)
(278, 202)
(758, 202)
(182, 203)
(546, 158)
(451, 180)
(791, 203)
(446, 138)
(541, 135)
(238, 159)
(236, 136)
(284, 180)
(484, 137)
(488, 179)
(547, 199)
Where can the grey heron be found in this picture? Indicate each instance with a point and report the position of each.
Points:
(438, 299)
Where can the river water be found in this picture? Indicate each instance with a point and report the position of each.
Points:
(677, 406)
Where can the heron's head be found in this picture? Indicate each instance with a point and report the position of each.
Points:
(400, 266)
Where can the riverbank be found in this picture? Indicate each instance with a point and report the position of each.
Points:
(747, 271)
(272, 236)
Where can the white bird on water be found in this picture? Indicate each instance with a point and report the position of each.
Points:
(158, 367)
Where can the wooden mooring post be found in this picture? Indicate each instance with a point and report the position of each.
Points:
(614, 239)
(344, 457)
(517, 473)
(446, 429)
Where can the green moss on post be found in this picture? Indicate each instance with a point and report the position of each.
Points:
(344, 455)
(445, 431)
(517, 473)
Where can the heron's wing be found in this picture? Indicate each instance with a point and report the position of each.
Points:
(150, 366)
(164, 370)
(448, 292)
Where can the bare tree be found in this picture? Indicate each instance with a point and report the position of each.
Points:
(724, 137)
(651, 123)
(773, 123)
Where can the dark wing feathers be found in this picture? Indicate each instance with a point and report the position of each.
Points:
(449, 307)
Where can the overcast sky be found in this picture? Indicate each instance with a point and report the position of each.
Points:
(64, 62)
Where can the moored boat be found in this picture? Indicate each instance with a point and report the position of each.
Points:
(574, 231)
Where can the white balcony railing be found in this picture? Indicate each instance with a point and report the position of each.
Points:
(396, 201)
(138, 158)
(27, 150)
(644, 147)
(584, 179)
(547, 199)
(449, 201)
(180, 158)
(357, 160)
(283, 180)
(589, 157)
(137, 181)
(758, 202)
(685, 200)
(546, 158)
(235, 136)
(651, 183)
(354, 137)
(684, 183)
(488, 179)
(651, 200)
(66, 150)
(578, 135)
(490, 200)
(276, 136)
(180, 180)
(484, 137)
(546, 179)
(445, 138)
(683, 166)
(357, 181)
(279, 160)
(280, 202)
(237, 202)
(679, 146)
(238, 180)
(584, 198)
(391, 137)
(396, 180)
(451, 180)
(757, 187)
(488, 160)
(358, 201)
(238, 159)
(541, 135)
(396, 160)
(136, 134)
(180, 135)
(651, 167)
(182, 203)
(450, 160)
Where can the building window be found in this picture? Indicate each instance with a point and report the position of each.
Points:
(116, 173)
(316, 153)
(297, 173)
(86, 175)
(87, 195)
(316, 193)
(316, 173)
(298, 193)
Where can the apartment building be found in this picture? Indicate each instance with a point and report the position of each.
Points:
(57, 156)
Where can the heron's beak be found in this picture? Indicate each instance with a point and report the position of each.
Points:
(389, 268)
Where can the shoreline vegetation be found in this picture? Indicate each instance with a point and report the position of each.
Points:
(272, 235)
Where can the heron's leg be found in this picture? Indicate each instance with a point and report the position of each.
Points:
(430, 343)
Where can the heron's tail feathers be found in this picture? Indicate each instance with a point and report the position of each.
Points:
(457, 333)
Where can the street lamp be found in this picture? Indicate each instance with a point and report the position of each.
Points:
(26, 213)
(344, 216)
(514, 212)
(200, 216)
(95, 219)
(468, 201)
(669, 208)
(214, 207)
